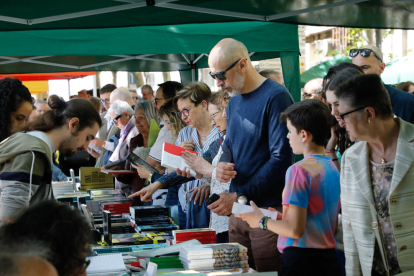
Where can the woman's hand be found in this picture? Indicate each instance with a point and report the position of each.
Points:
(147, 192)
(99, 143)
(252, 218)
(188, 145)
(143, 172)
(333, 141)
(200, 193)
(93, 153)
(197, 163)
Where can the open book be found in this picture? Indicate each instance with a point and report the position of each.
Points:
(171, 158)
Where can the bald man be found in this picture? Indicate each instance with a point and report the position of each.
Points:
(256, 152)
(370, 59)
(108, 146)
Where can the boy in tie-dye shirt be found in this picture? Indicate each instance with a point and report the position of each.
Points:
(310, 198)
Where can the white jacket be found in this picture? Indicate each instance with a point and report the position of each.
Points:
(356, 195)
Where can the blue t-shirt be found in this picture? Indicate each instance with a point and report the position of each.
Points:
(257, 144)
(313, 183)
(402, 103)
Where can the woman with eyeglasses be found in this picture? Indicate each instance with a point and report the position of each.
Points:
(131, 183)
(217, 106)
(198, 136)
(377, 176)
(122, 116)
(339, 140)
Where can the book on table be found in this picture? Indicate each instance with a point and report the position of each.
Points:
(110, 263)
(171, 158)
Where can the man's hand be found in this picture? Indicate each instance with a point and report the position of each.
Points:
(93, 153)
(116, 168)
(99, 143)
(188, 145)
(200, 193)
(252, 218)
(225, 172)
(224, 204)
(147, 192)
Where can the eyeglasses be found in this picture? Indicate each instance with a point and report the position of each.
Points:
(104, 101)
(115, 121)
(135, 98)
(342, 115)
(185, 112)
(214, 115)
(364, 52)
(221, 75)
(159, 99)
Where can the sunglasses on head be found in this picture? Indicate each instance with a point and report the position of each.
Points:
(364, 52)
(221, 75)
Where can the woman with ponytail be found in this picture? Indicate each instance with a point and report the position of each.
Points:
(26, 157)
(15, 106)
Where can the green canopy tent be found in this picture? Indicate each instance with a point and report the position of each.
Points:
(19, 18)
(399, 71)
(146, 48)
(320, 70)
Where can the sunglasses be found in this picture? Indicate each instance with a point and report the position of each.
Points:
(104, 101)
(221, 75)
(135, 98)
(364, 52)
(115, 121)
(342, 115)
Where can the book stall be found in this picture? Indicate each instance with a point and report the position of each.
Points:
(145, 240)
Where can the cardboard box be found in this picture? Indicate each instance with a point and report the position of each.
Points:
(91, 177)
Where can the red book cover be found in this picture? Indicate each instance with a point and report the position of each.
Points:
(117, 204)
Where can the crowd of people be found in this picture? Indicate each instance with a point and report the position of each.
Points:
(345, 208)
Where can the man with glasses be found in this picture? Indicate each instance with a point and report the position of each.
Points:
(135, 96)
(312, 90)
(147, 93)
(256, 152)
(370, 59)
(109, 144)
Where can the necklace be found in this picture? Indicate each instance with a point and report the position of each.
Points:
(382, 160)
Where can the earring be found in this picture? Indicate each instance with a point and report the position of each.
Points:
(204, 111)
(369, 120)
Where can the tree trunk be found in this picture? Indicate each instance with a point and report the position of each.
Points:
(378, 38)
(166, 76)
(113, 77)
(139, 79)
(98, 80)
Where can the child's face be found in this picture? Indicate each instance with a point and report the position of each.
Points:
(295, 138)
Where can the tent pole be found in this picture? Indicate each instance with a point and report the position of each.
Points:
(68, 89)
(95, 92)
(192, 69)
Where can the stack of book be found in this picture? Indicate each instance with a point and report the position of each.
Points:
(117, 228)
(130, 239)
(203, 235)
(116, 208)
(60, 188)
(151, 218)
(165, 262)
(214, 256)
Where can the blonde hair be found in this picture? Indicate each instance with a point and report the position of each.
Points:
(176, 122)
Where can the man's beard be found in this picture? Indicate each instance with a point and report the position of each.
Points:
(66, 148)
(238, 85)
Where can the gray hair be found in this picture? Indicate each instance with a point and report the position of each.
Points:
(119, 107)
(147, 88)
(40, 102)
(266, 72)
(149, 111)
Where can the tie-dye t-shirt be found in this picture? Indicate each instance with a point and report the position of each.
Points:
(313, 183)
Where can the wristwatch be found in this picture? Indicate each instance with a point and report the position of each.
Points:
(263, 223)
(242, 199)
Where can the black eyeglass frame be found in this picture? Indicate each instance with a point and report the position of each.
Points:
(115, 120)
(342, 115)
(363, 52)
(221, 75)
